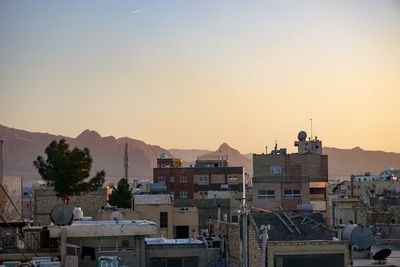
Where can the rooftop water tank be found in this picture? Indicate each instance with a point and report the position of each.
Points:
(78, 213)
(358, 235)
(158, 188)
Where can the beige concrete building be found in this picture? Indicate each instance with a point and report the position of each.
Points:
(287, 180)
(180, 252)
(172, 222)
(347, 210)
(92, 239)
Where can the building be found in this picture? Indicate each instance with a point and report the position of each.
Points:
(94, 239)
(207, 185)
(45, 198)
(13, 186)
(178, 179)
(287, 180)
(180, 252)
(284, 239)
(210, 178)
(172, 222)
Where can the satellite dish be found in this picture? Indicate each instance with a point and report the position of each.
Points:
(116, 216)
(381, 255)
(302, 136)
(61, 214)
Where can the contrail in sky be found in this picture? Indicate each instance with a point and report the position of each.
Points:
(137, 11)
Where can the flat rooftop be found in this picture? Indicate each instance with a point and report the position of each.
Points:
(165, 241)
(84, 229)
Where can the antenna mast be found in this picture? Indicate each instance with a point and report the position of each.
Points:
(126, 161)
(311, 129)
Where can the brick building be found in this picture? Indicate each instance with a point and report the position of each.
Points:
(287, 180)
(210, 178)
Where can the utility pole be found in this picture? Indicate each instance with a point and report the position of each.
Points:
(244, 212)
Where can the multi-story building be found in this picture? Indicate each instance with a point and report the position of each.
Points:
(210, 178)
(208, 184)
(287, 180)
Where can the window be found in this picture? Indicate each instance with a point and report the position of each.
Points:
(266, 193)
(292, 193)
(163, 219)
(233, 178)
(172, 179)
(203, 180)
(276, 169)
(203, 194)
(161, 179)
(183, 194)
(183, 179)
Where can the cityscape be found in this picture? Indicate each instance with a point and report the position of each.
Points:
(199, 133)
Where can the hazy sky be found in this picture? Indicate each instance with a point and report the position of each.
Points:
(194, 74)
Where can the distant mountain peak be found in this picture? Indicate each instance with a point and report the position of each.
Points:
(89, 134)
(357, 148)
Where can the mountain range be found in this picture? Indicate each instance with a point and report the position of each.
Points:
(21, 148)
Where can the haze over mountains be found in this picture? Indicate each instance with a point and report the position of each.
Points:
(22, 147)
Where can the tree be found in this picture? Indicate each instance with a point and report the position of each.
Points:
(122, 195)
(67, 171)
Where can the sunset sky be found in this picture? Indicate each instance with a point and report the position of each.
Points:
(194, 74)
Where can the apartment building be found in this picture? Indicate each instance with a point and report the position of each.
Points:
(287, 180)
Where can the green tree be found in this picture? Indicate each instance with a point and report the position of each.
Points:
(122, 195)
(67, 171)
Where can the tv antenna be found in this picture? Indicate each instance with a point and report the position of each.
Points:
(311, 129)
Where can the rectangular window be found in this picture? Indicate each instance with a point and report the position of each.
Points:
(163, 219)
(276, 169)
(266, 193)
(172, 179)
(233, 178)
(183, 194)
(183, 179)
(161, 179)
(203, 180)
(262, 193)
(203, 194)
(292, 193)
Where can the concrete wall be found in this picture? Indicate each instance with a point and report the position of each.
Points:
(231, 235)
(13, 187)
(176, 217)
(307, 247)
(205, 255)
(45, 199)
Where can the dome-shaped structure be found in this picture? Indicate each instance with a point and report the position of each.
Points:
(302, 136)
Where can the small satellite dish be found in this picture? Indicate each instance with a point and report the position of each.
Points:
(381, 255)
(116, 216)
(61, 214)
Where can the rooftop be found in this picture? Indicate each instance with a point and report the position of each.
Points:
(165, 241)
(293, 226)
(152, 199)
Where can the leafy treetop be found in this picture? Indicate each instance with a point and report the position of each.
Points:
(67, 170)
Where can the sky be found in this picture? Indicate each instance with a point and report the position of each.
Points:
(195, 74)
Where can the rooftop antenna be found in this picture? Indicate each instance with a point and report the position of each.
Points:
(311, 129)
(126, 161)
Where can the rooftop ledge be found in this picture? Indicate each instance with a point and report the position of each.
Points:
(105, 228)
